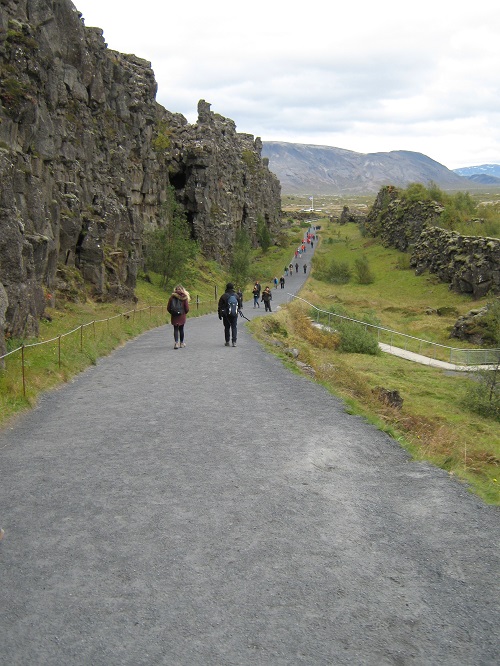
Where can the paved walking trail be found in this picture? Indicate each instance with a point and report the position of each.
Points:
(206, 506)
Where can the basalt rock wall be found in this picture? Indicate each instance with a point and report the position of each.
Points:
(469, 264)
(87, 156)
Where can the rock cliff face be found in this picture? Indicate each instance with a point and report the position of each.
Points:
(470, 264)
(87, 156)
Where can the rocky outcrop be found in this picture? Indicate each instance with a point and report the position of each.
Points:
(347, 216)
(87, 156)
(480, 326)
(222, 182)
(399, 223)
(469, 264)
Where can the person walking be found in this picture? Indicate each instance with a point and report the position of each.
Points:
(297, 268)
(256, 295)
(305, 268)
(178, 307)
(282, 281)
(276, 282)
(228, 307)
(267, 297)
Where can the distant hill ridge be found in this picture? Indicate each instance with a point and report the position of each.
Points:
(487, 169)
(483, 174)
(305, 168)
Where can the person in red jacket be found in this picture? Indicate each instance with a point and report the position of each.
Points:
(178, 306)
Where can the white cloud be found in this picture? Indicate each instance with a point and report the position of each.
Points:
(364, 76)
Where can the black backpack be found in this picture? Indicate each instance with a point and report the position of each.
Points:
(176, 306)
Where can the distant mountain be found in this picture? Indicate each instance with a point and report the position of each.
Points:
(484, 179)
(309, 169)
(488, 169)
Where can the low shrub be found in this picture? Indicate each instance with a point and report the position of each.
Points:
(364, 274)
(356, 339)
(483, 395)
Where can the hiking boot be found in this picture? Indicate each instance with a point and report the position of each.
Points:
(176, 345)
(183, 344)
(226, 344)
(234, 343)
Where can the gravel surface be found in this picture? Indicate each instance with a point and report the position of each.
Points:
(206, 506)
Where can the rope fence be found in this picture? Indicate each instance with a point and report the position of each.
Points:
(410, 343)
(157, 316)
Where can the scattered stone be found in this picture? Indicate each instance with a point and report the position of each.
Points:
(307, 369)
(388, 397)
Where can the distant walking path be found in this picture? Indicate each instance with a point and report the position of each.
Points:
(207, 507)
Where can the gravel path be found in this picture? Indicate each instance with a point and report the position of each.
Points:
(206, 506)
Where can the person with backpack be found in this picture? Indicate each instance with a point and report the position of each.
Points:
(267, 297)
(228, 308)
(178, 307)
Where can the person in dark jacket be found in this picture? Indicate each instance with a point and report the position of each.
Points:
(230, 322)
(267, 297)
(178, 320)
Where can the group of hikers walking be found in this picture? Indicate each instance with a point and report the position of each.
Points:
(230, 304)
(229, 307)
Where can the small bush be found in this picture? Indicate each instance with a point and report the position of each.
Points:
(263, 234)
(483, 395)
(403, 262)
(356, 339)
(335, 272)
(363, 271)
(274, 327)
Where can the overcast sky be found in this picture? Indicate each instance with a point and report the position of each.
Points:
(362, 75)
